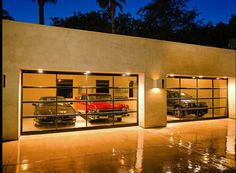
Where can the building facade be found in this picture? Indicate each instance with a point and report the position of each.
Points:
(133, 71)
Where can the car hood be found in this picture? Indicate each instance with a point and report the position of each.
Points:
(105, 105)
(48, 110)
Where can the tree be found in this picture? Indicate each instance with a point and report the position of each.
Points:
(6, 15)
(92, 21)
(41, 4)
(163, 18)
(111, 6)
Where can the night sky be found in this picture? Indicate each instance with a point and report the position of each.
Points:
(27, 11)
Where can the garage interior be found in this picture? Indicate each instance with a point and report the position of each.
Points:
(196, 97)
(44, 110)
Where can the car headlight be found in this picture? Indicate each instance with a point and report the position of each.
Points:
(95, 110)
(124, 109)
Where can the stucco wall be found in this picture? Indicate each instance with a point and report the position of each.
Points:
(32, 46)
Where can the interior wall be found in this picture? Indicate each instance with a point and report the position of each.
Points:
(32, 46)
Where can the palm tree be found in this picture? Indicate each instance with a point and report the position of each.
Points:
(111, 5)
(41, 4)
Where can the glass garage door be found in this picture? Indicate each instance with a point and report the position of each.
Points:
(54, 101)
(191, 98)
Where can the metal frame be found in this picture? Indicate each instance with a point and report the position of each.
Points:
(197, 97)
(56, 73)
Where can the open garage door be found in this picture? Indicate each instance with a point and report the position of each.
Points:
(59, 101)
(196, 97)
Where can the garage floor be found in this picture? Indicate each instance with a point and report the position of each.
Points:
(202, 146)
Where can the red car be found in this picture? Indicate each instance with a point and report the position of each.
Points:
(100, 106)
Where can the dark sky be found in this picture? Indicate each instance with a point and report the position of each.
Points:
(27, 11)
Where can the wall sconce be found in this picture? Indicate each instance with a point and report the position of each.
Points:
(159, 83)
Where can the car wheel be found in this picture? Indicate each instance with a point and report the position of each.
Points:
(179, 113)
(200, 113)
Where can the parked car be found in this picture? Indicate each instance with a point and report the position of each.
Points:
(100, 106)
(49, 111)
(182, 104)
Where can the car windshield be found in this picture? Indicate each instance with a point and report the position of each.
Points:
(185, 95)
(53, 103)
(99, 97)
(174, 94)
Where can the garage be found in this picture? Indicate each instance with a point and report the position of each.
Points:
(54, 101)
(196, 97)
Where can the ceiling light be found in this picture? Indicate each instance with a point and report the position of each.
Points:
(225, 77)
(87, 72)
(172, 75)
(128, 74)
(200, 76)
(40, 70)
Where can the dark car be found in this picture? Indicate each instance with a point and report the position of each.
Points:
(49, 111)
(182, 104)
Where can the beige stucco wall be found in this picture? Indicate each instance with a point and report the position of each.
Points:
(32, 46)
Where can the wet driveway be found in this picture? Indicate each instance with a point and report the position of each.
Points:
(200, 146)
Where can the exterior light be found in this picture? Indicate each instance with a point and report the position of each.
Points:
(225, 77)
(59, 80)
(200, 76)
(127, 74)
(160, 83)
(172, 75)
(40, 70)
(123, 75)
(217, 78)
(193, 77)
(87, 72)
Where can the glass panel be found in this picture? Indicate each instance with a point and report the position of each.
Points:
(188, 83)
(37, 93)
(220, 93)
(220, 102)
(220, 112)
(188, 93)
(127, 86)
(220, 83)
(35, 79)
(92, 81)
(172, 83)
(206, 93)
(99, 108)
(125, 111)
(30, 124)
(204, 83)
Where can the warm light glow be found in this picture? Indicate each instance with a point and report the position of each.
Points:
(200, 76)
(218, 78)
(59, 80)
(193, 77)
(87, 72)
(40, 70)
(128, 74)
(172, 75)
(156, 90)
(225, 77)
(123, 75)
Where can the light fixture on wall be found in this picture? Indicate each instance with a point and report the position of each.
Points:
(158, 83)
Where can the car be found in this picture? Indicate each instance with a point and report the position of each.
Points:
(181, 104)
(100, 107)
(48, 111)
